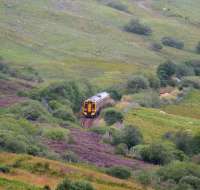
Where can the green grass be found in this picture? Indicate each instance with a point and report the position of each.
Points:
(189, 107)
(86, 39)
(154, 123)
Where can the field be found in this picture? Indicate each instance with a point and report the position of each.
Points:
(57, 37)
(28, 170)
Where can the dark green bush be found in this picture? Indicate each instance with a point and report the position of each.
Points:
(67, 184)
(112, 116)
(192, 81)
(118, 5)
(58, 134)
(99, 130)
(4, 169)
(184, 70)
(136, 27)
(156, 46)
(46, 187)
(172, 42)
(154, 82)
(144, 178)
(119, 172)
(122, 149)
(177, 170)
(165, 71)
(159, 153)
(64, 113)
(71, 157)
(115, 94)
(193, 181)
(198, 48)
(31, 110)
(131, 136)
(137, 83)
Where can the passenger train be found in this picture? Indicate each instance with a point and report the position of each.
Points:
(93, 105)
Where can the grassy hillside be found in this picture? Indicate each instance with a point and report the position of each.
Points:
(154, 123)
(29, 170)
(57, 37)
(189, 107)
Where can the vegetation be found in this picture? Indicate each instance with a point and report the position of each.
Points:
(112, 116)
(198, 48)
(136, 27)
(119, 172)
(172, 42)
(118, 5)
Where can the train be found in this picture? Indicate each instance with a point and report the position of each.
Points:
(93, 105)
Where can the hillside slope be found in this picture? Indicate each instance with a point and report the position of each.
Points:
(87, 39)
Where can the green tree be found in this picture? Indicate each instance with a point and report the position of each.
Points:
(165, 71)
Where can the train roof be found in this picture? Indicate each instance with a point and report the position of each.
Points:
(99, 96)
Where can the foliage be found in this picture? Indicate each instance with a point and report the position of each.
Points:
(158, 153)
(118, 5)
(135, 26)
(137, 83)
(119, 172)
(99, 130)
(156, 46)
(57, 134)
(70, 156)
(4, 169)
(122, 149)
(115, 94)
(184, 70)
(31, 110)
(192, 81)
(165, 71)
(112, 116)
(66, 184)
(64, 113)
(172, 42)
(177, 170)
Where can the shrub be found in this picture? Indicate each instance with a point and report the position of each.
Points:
(71, 157)
(195, 64)
(4, 169)
(177, 170)
(165, 71)
(112, 116)
(119, 172)
(135, 26)
(115, 94)
(64, 113)
(118, 5)
(121, 149)
(144, 178)
(198, 48)
(57, 134)
(184, 70)
(131, 136)
(158, 153)
(193, 82)
(137, 83)
(46, 187)
(172, 42)
(156, 46)
(99, 130)
(66, 184)
(193, 181)
(31, 110)
(154, 82)
(40, 167)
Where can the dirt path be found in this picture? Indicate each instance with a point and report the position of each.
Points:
(89, 147)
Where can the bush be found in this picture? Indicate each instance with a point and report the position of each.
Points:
(131, 136)
(165, 71)
(119, 172)
(112, 116)
(121, 149)
(64, 113)
(46, 187)
(154, 82)
(135, 26)
(66, 184)
(99, 130)
(195, 64)
(4, 169)
(71, 157)
(31, 110)
(177, 170)
(156, 46)
(158, 153)
(193, 82)
(137, 83)
(115, 94)
(172, 42)
(118, 5)
(198, 48)
(144, 178)
(193, 181)
(57, 134)
(184, 70)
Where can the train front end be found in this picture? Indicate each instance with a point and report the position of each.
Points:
(89, 109)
